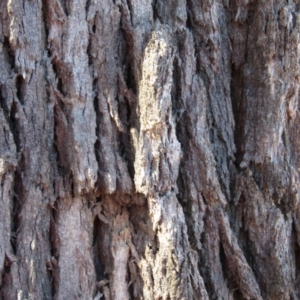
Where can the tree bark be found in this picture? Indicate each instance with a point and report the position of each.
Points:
(149, 149)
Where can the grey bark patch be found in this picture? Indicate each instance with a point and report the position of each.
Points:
(149, 149)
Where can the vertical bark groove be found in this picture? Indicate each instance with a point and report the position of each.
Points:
(149, 149)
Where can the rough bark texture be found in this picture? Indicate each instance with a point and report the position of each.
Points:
(149, 149)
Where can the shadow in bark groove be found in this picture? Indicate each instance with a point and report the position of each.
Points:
(99, 267)
(52, 264)
(238, 108)
(296, 247)
(18, 198)
(234, 290)
(60, 146)
(21, 88)
(11, 116)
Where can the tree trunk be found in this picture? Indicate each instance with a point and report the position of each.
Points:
(149, 149)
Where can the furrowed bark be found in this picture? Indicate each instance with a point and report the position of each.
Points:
(149, 149)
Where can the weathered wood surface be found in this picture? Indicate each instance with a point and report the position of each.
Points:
(149, 149)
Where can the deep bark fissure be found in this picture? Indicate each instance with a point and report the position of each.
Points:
(143, 104)
(128, 64)
(21, 88)
(16, 207)
(10, 115)
(238, 112)
(97, 130)
(52, 264)
(59, 137)
(225, 267)
(14, 224)
(295, 245)
(87, 6)
(99, 267)
(155, 10)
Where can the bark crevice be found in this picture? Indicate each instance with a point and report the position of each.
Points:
(149, 149)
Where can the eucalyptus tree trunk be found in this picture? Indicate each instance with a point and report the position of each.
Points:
(149, 149)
